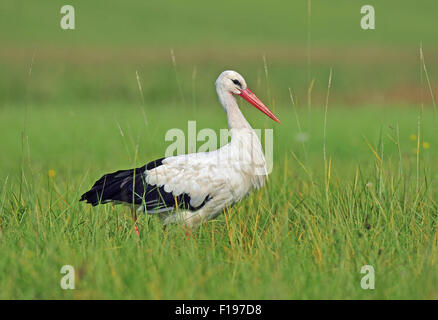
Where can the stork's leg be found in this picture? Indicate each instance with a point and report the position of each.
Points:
(134, 217)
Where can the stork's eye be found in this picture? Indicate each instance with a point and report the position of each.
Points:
(237, 83)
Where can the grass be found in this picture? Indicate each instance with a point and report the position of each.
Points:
(306, 235)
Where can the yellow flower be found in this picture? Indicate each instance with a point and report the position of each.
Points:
(426, 145)
(51, 173)
(413, 137)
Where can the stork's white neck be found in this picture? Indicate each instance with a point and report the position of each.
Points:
(244, 140)
(236, 120)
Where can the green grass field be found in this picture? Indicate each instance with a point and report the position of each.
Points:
(352, 185)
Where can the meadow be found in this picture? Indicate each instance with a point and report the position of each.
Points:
(355, 167)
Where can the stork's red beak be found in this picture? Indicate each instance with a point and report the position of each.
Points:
(256, 102)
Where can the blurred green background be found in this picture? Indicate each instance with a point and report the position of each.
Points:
(97, 61)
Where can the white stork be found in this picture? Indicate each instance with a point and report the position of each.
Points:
(195, 187)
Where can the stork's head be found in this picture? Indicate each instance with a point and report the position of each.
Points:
(233, 83)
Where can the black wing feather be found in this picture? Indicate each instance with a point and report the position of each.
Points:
(129, 186)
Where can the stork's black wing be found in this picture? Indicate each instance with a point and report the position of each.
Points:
(130, 187)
